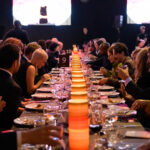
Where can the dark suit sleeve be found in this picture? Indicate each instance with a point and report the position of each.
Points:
(137, 92)
(8, 141)
(9, 113)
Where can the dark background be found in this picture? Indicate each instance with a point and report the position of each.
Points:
(97, 15)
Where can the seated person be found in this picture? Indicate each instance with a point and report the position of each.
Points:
(91, 51)
(42, 43)
(140, 87)
(52, 57)
(102, 59)
(106, 72)
(26, 76)
(55, 40)
(9, 89)
(29, 49)
(120, 54)
(15, 41)
(95, 55)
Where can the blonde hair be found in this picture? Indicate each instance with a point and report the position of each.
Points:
(39, 54)
(141, 61)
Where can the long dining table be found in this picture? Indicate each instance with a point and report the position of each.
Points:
(56, 91)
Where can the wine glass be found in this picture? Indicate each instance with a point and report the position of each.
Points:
(96, 117)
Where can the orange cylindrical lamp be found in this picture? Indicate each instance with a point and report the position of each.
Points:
(78, 125)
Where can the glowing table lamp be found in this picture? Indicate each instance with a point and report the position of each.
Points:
(78, 82)
(77, 73)
(78, 125)
(76, 69)
(76, 88)
(79, 95)
(77, 65)
(75, 50)
(77, 77)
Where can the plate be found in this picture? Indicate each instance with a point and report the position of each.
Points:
(31, 120)
(55, 69)
(121, 112)
(96, 72)
(105, 88)
(55, 72)
(44, 96)
(96, 77)
(44, 90)
(47, 82)
(111, 101)
(126, 112)
(95, 82)
(35, 106)
(110, 94)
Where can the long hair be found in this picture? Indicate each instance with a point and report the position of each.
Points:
(141, 63)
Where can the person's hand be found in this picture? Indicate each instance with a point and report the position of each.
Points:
(103, 81)
(2, 104)
(145, 146)
(138, 104)
(122, 90)
(57, 59)
(103, 71)
(92, 57)
(123, 73)
(50, 135)
(45, 77)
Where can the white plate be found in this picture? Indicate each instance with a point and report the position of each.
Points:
(110, 94)
(55, 69)
(45, 90)
(35, 106)
(42, 96)
(96, 72)
(126, 112)
(47, 82)
(105, 88)
(95, 82)
(121, 112)
(111, 101)
(55, 72)
(96, 77)
(29, 120)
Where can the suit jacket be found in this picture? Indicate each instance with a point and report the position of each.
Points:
(137, 92)
(8, 141)
(102, 61)
(52, 62)
(11, 92)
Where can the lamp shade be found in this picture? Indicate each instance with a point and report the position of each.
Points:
(76, 88)
(79, 95)
(78, 125)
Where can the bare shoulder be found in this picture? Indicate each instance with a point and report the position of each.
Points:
(31, 68)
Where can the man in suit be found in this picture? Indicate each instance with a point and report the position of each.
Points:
(9, 89)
